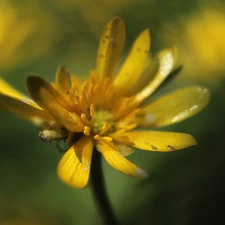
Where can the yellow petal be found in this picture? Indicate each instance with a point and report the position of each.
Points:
(62, 80)
(167, 61)
(174, 107)
(118, 161)
(74, 167)
(50, 100)
(110, 48)
(36, 84)
(23, 108)
(124, 149)
(7, 89)
(150, 70)
(134, 64)
(156, 140)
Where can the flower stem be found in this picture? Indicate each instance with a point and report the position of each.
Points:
(99, 192)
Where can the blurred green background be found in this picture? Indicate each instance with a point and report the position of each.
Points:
(185, 187)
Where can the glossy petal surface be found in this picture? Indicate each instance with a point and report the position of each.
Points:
(118, 161)
(74, 167)
(157, 141)
(174, 107)
(167, 60)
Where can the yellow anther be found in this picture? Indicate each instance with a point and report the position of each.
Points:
(97, 137)
(105, 127)
(84, 118)
(86, 130)
(107, 138)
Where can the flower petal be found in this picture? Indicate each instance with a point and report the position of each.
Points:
(118, 161)
(24, 109)
(62, 80)
(156, 140)
(124, 149)
(37, 84)
(175, 107)
(167, 61)
(74, 167)
(110, 48)
(7, 89)
(51, 100)
(134, 64)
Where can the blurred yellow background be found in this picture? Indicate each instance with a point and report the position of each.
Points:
(184, 187)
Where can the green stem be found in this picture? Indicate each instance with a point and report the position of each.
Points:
(99, 192)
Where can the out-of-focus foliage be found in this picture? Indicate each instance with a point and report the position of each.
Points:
(97, 13)
(14, 214)
(26, 32)
(200, 39)
(183, 188)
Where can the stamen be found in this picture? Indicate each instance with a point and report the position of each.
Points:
(84, 118)
(105, 138)
(91, 91)
(86, 130)
(97, 137)
(96, 88)
(105, 127)
(83, 104)
(92, 112)
(85, 87)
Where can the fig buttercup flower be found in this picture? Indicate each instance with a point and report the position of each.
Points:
(103, 112)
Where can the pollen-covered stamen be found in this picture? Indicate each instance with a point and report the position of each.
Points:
(87, 130)
(105, 138)
(105, 127)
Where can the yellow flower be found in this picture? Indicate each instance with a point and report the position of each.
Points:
(104, 110)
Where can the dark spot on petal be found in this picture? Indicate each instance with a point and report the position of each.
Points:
(101, 55)
(67, 92)
(138, 49)
(107, 36)
(171, 147)
(153, 147)
(114, 45)
(146, 51)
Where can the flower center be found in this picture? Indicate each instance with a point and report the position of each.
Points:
(102, 122)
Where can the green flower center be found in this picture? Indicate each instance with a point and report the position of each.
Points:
(101, 117)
